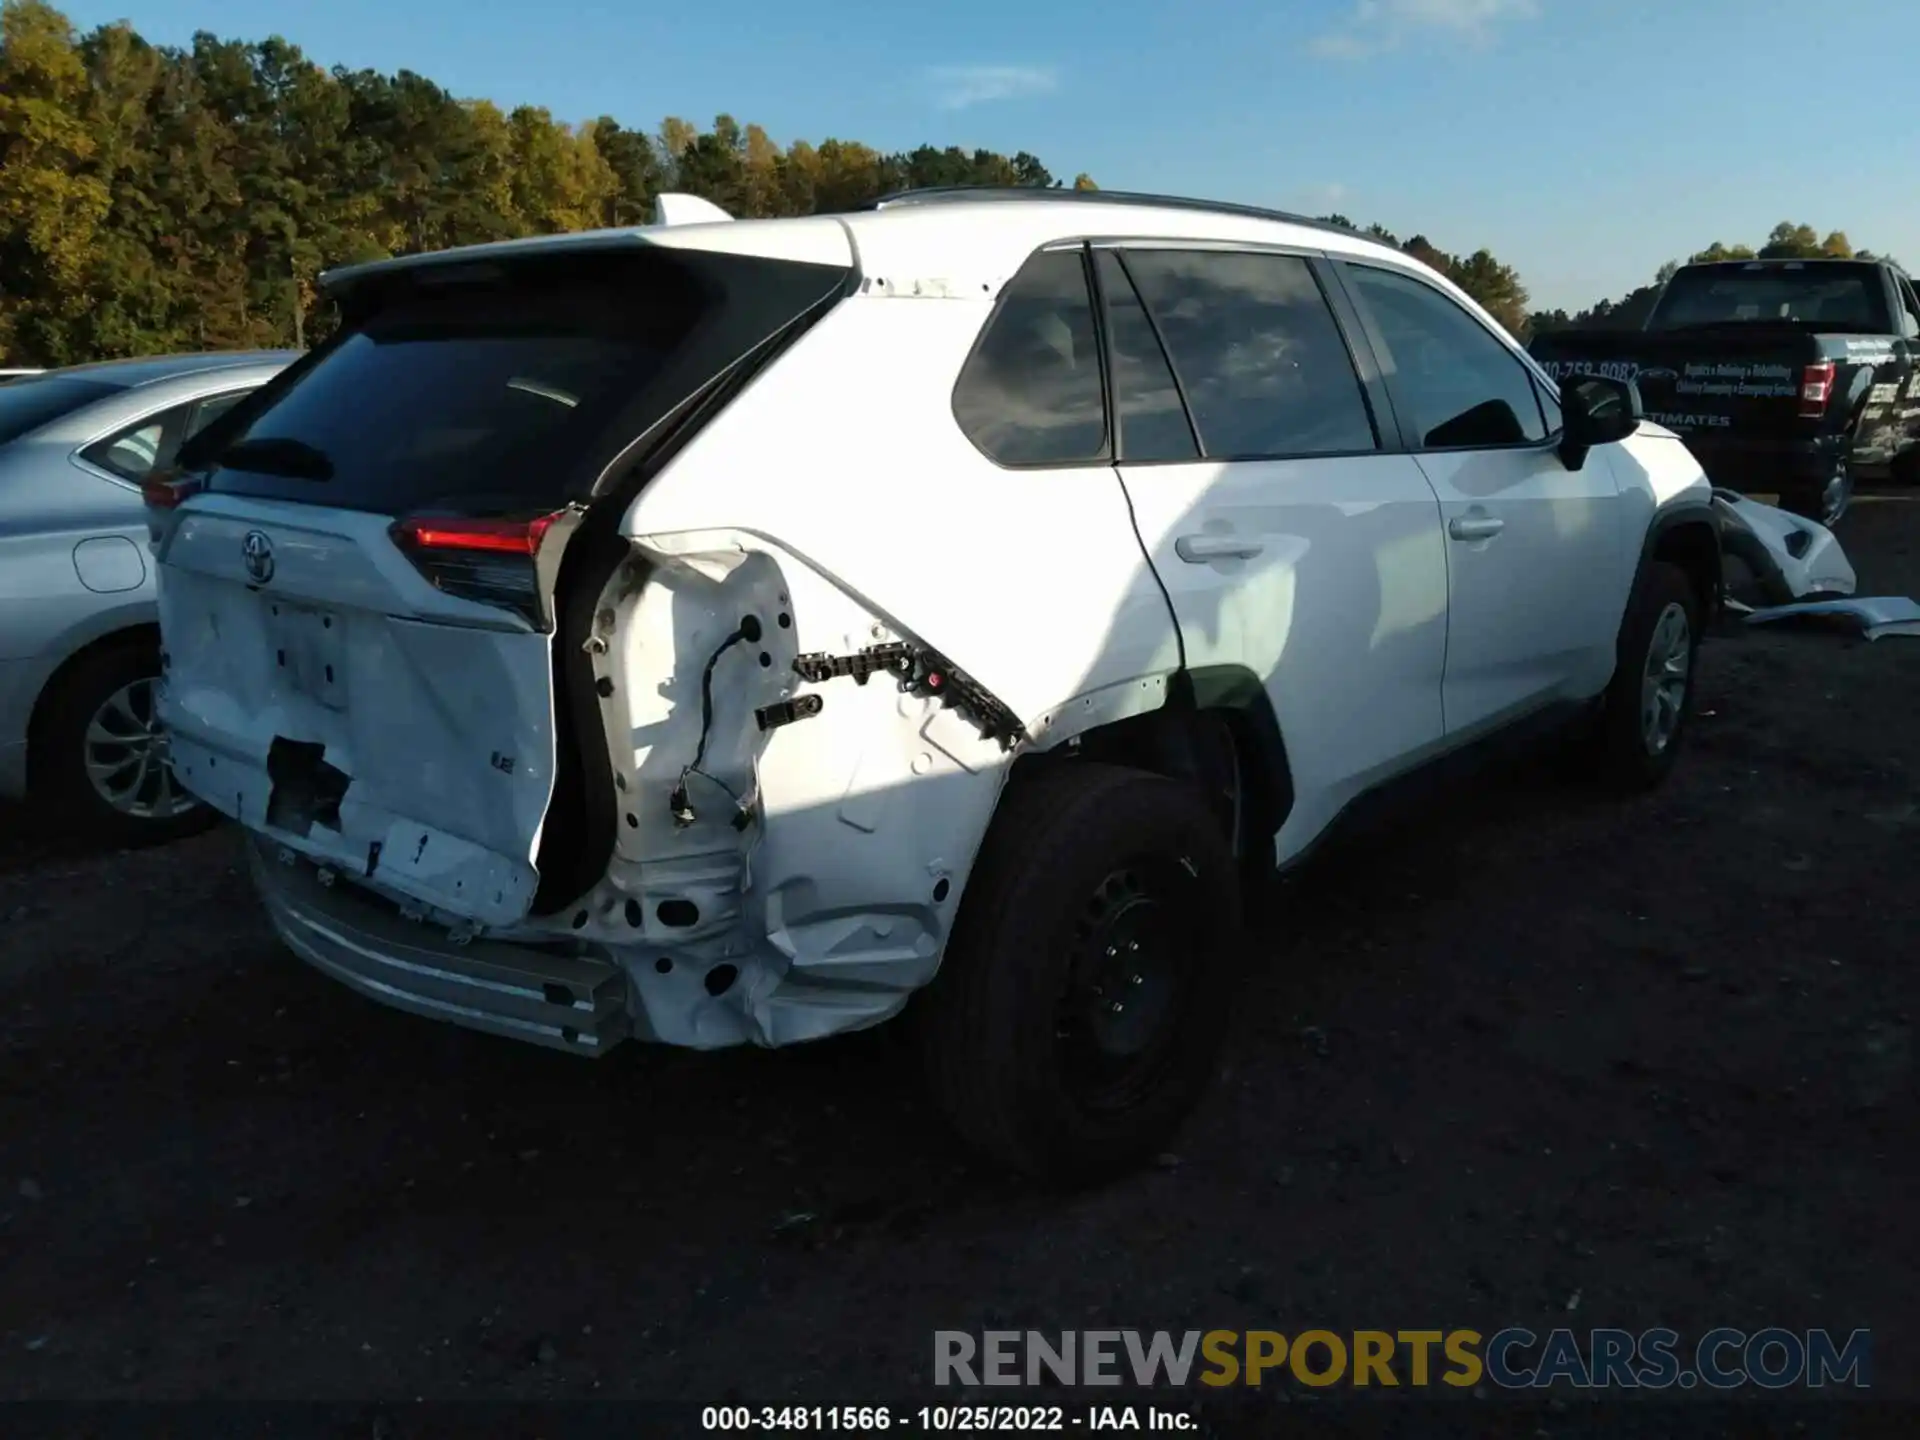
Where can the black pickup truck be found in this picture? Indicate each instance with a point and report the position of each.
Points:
(1791, 377)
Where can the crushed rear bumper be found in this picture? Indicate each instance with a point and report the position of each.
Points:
(564, 1002)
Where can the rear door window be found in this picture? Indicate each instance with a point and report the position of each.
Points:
(1030, 394)
(1265, 368)
(39, 400)
(206, 411)
(503, 389)
(1151, 416)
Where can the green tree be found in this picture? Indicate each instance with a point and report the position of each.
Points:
(1791, 242)
(636, 171)
(52, 200)
(1495, 286)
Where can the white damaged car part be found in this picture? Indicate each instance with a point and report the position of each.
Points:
(530, 736)
(1791, 558)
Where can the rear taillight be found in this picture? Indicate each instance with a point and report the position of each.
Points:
(493, 537)
(490, 562)
(164, 493)
(1816, 389)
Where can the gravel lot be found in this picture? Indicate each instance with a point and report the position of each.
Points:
(1651, 1060)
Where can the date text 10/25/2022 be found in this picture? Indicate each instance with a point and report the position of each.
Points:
(942, 1419)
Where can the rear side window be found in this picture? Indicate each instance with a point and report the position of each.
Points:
(1910, 308)
(26, 405)
(135, 452)
(1151, 417)
(503, 389)
(1464, 389)
(150, 444)
(1259, 354)
(1030, 394)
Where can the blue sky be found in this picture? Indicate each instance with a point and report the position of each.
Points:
(1583, 143)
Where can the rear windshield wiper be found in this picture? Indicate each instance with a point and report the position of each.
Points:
(277, 455)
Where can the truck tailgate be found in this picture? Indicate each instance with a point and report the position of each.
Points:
(1746, 377)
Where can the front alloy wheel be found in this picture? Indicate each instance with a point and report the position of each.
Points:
(1664, 680)
(1636, 736)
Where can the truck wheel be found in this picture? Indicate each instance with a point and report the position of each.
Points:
(99, 762)
(1082, 1002)
(1824, 503)
(1643, 716)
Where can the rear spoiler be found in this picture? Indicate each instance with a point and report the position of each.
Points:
(674, 208)
(669, 210)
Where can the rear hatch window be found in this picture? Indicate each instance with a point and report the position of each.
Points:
(27, 404)
(1840, 298)
(497, 389)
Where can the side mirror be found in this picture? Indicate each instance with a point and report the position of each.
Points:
(1596, 410)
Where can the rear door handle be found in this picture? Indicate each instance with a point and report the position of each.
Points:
(1199, 549)
(1475, 527)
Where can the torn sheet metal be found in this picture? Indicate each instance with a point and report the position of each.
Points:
(1875, 615)
(1791, 558)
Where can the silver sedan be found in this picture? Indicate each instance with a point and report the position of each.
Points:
(79, 635)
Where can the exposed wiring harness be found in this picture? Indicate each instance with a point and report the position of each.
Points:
(679, 801)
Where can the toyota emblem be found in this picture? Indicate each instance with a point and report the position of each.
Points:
(257, 551)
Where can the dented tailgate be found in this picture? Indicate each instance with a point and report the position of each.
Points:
(323, 692)
(367, 571)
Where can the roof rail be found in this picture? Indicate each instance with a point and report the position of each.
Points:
(949, 193)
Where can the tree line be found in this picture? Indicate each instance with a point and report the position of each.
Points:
(156, 198)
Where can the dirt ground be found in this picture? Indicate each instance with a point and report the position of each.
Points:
(1543, 1060)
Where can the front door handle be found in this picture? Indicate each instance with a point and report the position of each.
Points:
(1475, 527)
(1199, 549)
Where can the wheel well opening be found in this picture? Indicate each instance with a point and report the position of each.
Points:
(1695, 549)
(1214, 748)
(132, 638)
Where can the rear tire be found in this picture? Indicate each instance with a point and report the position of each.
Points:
(1080, 1008)
(1825, 503)
(1642, 720)
(99, 763)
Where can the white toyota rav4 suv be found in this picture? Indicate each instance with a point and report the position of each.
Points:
(718, 632)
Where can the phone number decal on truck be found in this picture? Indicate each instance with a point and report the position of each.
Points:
(1605, 369)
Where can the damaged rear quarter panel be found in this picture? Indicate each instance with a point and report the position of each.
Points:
(820, 860)
(838, 492)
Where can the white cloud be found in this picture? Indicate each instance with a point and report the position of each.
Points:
(958, 86)
(1378, 25)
